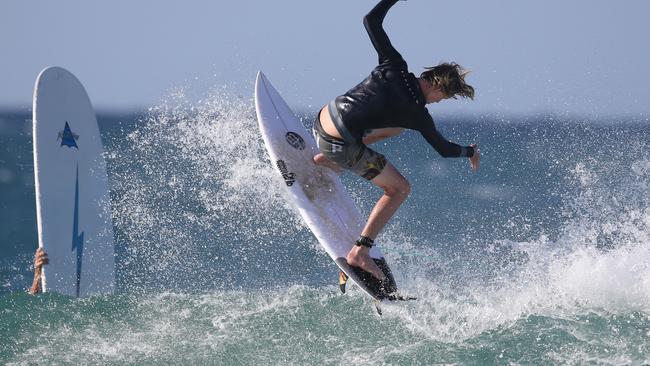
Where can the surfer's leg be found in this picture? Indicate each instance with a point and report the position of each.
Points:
(396, 190)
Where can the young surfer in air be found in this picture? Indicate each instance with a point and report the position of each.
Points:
(388, 101)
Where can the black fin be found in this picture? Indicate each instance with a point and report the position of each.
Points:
(377, 307)
(343, 279)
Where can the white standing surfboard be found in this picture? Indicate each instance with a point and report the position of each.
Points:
(317, 192)
(72, 201)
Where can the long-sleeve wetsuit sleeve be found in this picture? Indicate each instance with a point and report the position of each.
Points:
(373, 22)
(444, 147)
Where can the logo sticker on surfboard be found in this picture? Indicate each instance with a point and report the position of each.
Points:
(289, 177)
(68, 138)
(295, 140)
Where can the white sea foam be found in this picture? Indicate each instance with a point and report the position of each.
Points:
(191, 176)
(492, 192)
(600, 263)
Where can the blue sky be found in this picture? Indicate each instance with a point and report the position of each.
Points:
(585, 57)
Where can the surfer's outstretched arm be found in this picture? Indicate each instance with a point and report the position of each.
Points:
(373, 22)
(446, 148)
(40, 259)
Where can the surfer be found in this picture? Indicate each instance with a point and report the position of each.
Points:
(40, 259)
(388, 101)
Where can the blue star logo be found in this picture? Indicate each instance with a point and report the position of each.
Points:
(68, 138)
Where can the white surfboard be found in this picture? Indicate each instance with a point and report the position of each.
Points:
(317, 192)
(72, 201)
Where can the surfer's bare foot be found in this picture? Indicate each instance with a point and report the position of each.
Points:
(320, 159)
(359, 256)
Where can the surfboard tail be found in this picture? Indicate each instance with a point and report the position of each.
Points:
(378, 289)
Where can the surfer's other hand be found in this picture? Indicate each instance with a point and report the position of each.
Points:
(320, 159)
(475, 160)
(40, 259)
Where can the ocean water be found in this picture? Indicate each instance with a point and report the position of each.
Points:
(542, 257)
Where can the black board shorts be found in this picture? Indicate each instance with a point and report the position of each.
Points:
(352, 155)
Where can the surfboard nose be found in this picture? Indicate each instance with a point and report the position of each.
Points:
(260, 77)
(260, 82)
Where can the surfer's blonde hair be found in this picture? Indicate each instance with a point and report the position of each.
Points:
(450, 78)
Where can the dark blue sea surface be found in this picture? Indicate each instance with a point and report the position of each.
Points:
(541, 257)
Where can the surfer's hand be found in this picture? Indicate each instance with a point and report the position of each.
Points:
(321, 160)
(475, 160)
(40, 259)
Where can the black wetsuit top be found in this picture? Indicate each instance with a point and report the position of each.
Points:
(391, 95)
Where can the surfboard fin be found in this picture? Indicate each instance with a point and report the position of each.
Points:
(343, 279)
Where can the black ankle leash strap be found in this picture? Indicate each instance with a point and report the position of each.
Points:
(365, 241)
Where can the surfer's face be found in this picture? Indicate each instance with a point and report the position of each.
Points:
(435, 95)
(432, 93)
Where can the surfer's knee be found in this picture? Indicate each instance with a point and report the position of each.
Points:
(400, 189)
(404, 188)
